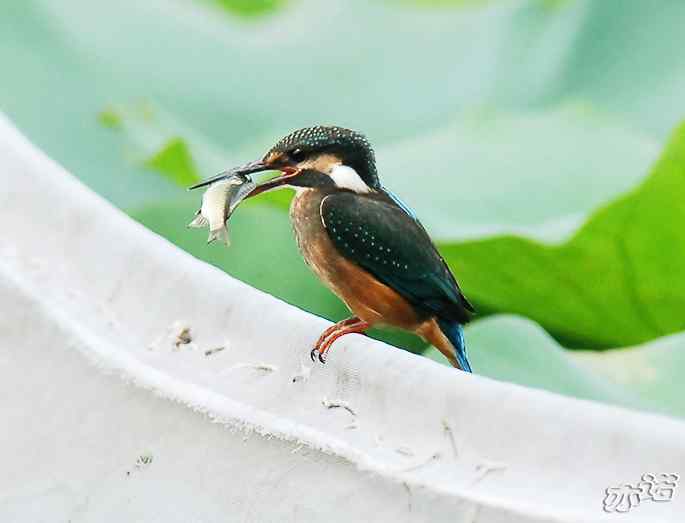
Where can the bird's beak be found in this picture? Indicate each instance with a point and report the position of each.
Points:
(287, 173)
(248, 168)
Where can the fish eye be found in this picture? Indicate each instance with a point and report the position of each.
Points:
(297, 154)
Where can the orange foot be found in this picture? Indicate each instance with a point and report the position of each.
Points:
(334, 332)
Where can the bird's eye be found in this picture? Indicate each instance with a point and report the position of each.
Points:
(297, 155)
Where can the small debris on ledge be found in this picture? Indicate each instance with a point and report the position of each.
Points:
(176, 336)
(209, 352)
(447, 426)
(405, 451)
(337, 404)
(182, 336)
(143, 461)
(424, 463)
(303, 374)
(264, 367)
(485, 468)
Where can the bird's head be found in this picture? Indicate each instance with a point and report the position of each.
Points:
(321, 156)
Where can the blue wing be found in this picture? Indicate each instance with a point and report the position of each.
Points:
(380, 236)
(400, 203)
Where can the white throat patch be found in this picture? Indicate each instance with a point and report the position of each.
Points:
(346, 177)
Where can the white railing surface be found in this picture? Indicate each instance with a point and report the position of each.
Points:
(105, 419)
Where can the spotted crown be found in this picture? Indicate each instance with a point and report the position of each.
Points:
(353, 147)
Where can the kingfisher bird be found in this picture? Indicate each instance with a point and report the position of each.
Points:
(362, 242)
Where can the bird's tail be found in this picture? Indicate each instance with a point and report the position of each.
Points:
(454, 332)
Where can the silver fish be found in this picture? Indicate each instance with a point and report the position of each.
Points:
(218, 203)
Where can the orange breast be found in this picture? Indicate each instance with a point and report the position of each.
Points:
(367, 298)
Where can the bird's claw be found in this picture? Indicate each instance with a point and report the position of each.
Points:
(315, 352)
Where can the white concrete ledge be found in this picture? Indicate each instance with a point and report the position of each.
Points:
(87, 296)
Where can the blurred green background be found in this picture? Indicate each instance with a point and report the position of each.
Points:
(538, 141)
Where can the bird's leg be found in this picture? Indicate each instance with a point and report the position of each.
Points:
(331, 334)
(330, 330)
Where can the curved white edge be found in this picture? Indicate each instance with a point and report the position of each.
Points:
(86, 293)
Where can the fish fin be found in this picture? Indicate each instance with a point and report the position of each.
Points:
(198, 221)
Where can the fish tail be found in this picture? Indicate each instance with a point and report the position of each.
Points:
(219, 234)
